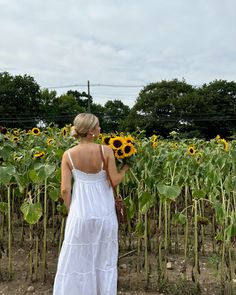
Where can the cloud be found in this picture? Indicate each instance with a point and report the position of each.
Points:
(118, 42)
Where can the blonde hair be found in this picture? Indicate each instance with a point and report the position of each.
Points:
(83, 123)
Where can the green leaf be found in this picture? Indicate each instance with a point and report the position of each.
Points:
(49, 169)
(230, 232)
(178, 218)
(228, 186)
(146, 200)
(219, 212)
(32, 212)
(6, 174)
(139, 229)
(198, 194)
(170, 192)
(130, 206)
(36, 177)
(54, 194)
(3, 207)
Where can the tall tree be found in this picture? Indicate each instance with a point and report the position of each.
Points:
(82, 98)
(66, 107)
(115, 112)
(156, 107)
(19, 100)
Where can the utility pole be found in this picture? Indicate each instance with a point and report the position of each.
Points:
(89, 100)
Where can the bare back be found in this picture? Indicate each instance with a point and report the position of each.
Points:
(86, 157)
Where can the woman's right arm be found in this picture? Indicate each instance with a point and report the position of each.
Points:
(66, 177)
(115, 175)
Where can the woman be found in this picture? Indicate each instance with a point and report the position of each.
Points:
(88, 260)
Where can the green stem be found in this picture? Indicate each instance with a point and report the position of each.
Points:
(45, 230)
(37, 240)
(146, 248)
(9, 233)
(195, 242)
(30, 253)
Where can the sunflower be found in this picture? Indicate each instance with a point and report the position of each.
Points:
(154, 138)
(15, 138)
(15, 132)
(226, 144)
(119, 154)
(116, 142)
(18, 158)
(106, 140)
(217, 138)
(64, 131)
(191, 150)
(50, 141)
(35, 131)
(39, 155)
(174, 145)
(129, 139)
(154, 144)
(198, 156)
(128, 150)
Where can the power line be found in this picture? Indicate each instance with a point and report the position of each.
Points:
(160, 118)
(95, 85)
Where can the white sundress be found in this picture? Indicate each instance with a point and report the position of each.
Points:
(87, 262)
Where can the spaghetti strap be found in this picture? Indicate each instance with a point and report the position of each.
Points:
(103, 158)
(72, 164)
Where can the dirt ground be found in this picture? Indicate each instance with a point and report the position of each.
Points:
(129, 282)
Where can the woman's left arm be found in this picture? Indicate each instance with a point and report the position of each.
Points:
(66, 180)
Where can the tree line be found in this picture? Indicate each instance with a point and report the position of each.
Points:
(160, 107)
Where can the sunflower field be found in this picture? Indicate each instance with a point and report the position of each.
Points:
(180, 197)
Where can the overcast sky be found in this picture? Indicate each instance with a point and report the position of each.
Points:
(118, 42)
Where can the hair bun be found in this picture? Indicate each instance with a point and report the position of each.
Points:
(74, 132)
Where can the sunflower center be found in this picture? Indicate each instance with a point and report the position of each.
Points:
(107, 140)
(119, 152)
(127, 149)
(117, 143)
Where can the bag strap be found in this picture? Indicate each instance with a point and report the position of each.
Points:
(106, 168)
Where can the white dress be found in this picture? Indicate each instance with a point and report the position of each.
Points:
(88, 259)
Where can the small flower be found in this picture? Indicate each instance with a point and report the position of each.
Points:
(15, 139)
(50, 141)
(226, 144)
(191, 150)
(154, 144)
(154, 138)
(217, 138)
(64, 131)
(35, 131)
(174, 145)
(39, 155)
(15, 132)
(18, 158)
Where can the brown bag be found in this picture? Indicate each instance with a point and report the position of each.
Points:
(119, 202)
(120, 209)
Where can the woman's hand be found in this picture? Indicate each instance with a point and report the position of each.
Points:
(125, 167)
